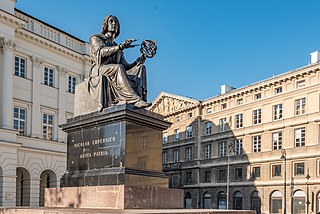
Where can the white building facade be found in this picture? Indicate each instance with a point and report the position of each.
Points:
(39, 68)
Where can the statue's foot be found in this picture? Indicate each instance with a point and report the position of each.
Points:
(142, 104)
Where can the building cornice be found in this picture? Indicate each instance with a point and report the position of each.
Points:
(12, 20)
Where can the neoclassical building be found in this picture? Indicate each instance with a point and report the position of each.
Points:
(39, 68)
(255, 147)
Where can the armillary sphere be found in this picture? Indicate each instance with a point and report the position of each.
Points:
(148, 48)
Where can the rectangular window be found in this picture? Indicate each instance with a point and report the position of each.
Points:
(177, 118)
(189, 114)
(164, 158)
(300, 137)
(222, 175)
(188, 177)
(299, 169)
(277, 140)
(165, 137)
(256, 143)
(208, 128)
(256, 116)
(223, 124)
(238, 146)
(223, 106)
(301, 83)
(238, 173)
(239, 101)
(20, 66)
(257, 96)
(300, 106)
(48, 76)
(188, 154)
(207, 151)
(176, 135)
(239, 121)
(176, 155)
(189, 131)
(19, 120)
(207, 176)
(276, 170)
(278, 90)
(222, 149)
(209, 110)
(277, 112)
(47, 126)
(72, 81)
(256, 172)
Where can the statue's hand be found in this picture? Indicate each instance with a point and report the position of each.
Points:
(127, 44)
(140, 60)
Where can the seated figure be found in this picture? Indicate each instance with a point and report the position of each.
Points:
(112, 80)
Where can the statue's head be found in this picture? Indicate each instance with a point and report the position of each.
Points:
(106, 25)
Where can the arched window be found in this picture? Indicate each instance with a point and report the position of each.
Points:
(48, 179)
(188, 201)
(299, 202)
(238, 199)
(276, 202)
(22, 187)
(207, 201)
(222, 202)
(256, 202)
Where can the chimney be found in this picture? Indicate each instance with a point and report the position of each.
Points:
(225, 89)
(315, 57)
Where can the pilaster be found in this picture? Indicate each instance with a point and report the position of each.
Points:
(6, 104)
(62, 100)
(34, 192)
(36, 83)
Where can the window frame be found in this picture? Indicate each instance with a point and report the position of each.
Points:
(238, 149)
(300, 106)
(46, 126)
(223, 124)
(239, 120)
(208, 128)
(20, 120)
(274, 172)
(72, 84)
(189, 133)
(20, 68)
(277, 140)
(188, 153)
(49, 80)
(256, 143)
(222, 148)
(176, 135)
(207, 151)
(296, 169)
(277, 111)
(301, 140)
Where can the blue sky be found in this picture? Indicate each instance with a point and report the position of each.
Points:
(201, 44)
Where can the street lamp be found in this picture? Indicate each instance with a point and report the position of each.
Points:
(230, 150)
(284, 158)
(308, 202)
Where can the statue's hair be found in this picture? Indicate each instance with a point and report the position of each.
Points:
(104, 28)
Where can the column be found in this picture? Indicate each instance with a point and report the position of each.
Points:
(6, 85)
(36, 84)
(62, 101)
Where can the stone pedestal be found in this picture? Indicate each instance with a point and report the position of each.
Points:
(116, 153)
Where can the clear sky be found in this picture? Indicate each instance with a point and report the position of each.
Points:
(201, 44)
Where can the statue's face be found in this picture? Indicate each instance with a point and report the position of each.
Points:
(113, 25)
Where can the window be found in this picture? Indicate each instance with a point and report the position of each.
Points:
(165, 137)
(238, 146)
(164, 158)
(278, 90)
(257, 96)
(223, 106)
(222, 124)
(176, 155)
(47, 126)
(20, 66)
(48, 76)
(238, 173)
(188, 154)
(222, 149)
(300, 106)
(299, 169)
(256, 172)
(276, 202)
(208, 128)
(209, 110)
(222, 175)
(72, 81)
(176, 134)
(239, 101)
(207, 176)
(207, 202)
(256, 143)
(277, 112)
(301, 83)
(276, 170)
(277, 140)
(189, 114)
(239, 121)
(207, 151)
(19, 120)
(177, 118)
(188, 177)
(189, 131)
(299, 137)
(256, 116)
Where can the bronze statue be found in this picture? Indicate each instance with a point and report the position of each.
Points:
(112, 80)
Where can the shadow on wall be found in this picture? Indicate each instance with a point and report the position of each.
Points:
(208, 162)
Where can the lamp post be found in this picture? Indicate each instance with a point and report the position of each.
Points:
(230, 150)
(284, 158)
(308, 202)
